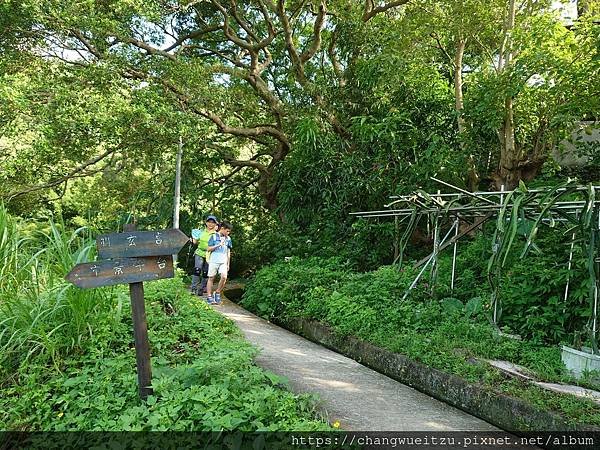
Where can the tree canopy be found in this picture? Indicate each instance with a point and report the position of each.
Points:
(320, 105)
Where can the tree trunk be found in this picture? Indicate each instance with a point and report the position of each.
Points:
(177, 194)
(458, 84)
(268, 189)
(510, 158)
(472, 175)
(510, 172)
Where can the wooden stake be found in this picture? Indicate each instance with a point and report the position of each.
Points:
(140, 334)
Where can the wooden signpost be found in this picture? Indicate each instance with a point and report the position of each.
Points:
(140, 243)
(132, 257)
(121, 271)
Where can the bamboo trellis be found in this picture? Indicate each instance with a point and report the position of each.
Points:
(576, 207)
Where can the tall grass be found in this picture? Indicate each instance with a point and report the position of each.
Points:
(42, 316)
(10, 247)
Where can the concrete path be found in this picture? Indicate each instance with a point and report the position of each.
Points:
(356, 396)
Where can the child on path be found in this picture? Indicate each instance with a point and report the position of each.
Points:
(219, 247)
(201, 238)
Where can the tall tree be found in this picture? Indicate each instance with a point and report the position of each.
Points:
(244, 66)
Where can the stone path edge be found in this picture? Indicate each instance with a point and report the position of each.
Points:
(501, 410)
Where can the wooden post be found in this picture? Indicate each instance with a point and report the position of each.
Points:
(396, 239)
(456, 226)
(140, 334)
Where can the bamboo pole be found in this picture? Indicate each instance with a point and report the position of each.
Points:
(456, 223)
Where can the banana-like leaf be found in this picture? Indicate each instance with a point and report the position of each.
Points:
(548, 200)
(412, 224)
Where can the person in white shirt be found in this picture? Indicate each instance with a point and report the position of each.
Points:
(219, 248)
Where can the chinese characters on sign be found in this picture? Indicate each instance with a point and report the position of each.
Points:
(130, 258)
(121, 271)
(140, 243)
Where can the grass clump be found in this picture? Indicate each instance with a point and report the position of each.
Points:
(41, 314)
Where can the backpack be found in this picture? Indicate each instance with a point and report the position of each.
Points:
(208, 253)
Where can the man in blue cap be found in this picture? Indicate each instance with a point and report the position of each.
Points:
(201, 238)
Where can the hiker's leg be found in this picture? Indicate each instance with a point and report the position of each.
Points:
(223, 280)
(204, 276)
(212, 271)
(198, 261)
(209, 286)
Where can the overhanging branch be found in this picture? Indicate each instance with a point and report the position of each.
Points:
(371, 10)
(75, 173)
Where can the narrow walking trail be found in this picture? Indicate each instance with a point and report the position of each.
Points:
(356, 396)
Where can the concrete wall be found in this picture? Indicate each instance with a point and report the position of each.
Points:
(587, 134)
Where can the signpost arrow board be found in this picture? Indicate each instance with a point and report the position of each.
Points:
(132, 257)
(140, 243)
(121, 270)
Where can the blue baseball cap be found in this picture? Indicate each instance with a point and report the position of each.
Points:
(213, 218)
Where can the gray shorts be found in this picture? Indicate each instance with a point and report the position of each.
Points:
(220, 268)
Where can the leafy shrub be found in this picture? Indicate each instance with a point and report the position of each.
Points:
(532, 291)
(282, 287)
(362, 245)
(370, 306)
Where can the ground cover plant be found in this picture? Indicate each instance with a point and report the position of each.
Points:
(67, 360)
(448, 333)
(203, 378)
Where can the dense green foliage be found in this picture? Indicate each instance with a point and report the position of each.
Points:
(361, 103)
(67, 360)
(531, 288)
(203, 378)
(43, 316)
(443, 332)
